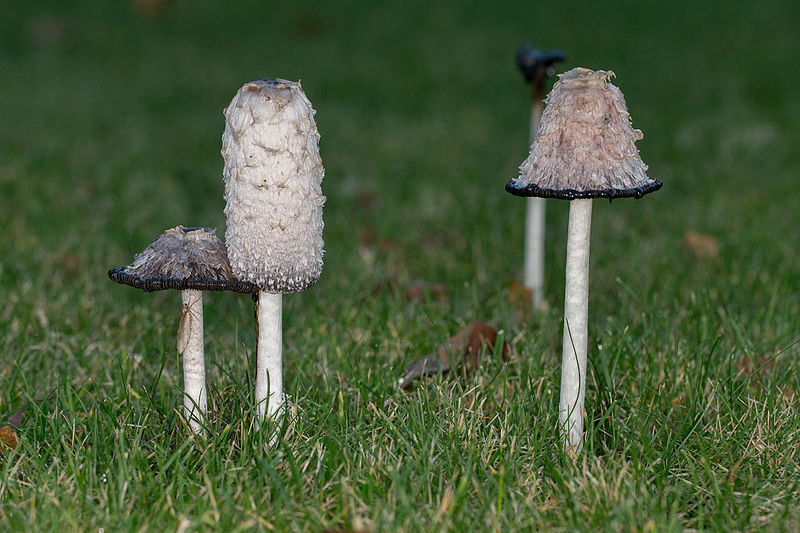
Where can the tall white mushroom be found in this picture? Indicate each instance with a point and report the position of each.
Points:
(584, 148)
(536, 66)
(191, 260)
(273, 174)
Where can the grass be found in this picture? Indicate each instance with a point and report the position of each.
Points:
(111, 133)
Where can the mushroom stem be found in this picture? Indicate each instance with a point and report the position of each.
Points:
(576, 317)
(269, 372)
(190, 344)
(533, 270)
(534, 249)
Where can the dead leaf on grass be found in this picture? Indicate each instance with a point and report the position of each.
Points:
(414, 291)
(701, 246)
(150, 8)
(48, 30)
(368, 201)
(757, 372)
(9, 438)
(461, 352)
(371, 239)
(519, 296)
(420, 291)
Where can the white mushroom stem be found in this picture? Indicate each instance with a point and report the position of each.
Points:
(534, 249)
(533, 270)
(190, 345)
(576, 331)
(269, 365)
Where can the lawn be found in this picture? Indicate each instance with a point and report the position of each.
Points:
(110, 134)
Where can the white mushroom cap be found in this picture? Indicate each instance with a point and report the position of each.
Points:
(585, 145)
(273, 174)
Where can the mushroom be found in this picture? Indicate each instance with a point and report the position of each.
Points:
(273, 174)
(190, 260)
(584, 149)
(536, 66)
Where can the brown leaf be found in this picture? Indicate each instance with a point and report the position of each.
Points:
(519, 296)
(414, 291)
(745, 365)
(15, 418)
(368, 201)
(150, 8)
(371, 239)
(8, 438)
(48, 30)
(463, 350)
(438, 240)
(8, 434)
(701, 246)
(762, 363)
(420, 291)
(309, 24)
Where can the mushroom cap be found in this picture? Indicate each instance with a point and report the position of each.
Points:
(273, 174)
(182, 258)
(585, 144)
(533, 62)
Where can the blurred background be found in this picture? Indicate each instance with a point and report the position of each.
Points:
(112, 117)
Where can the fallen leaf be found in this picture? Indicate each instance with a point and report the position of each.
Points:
(413, 291)
(48, 30)
(763, 364)
(745, 365)
(8, 437)
(420, 291)
(15, 419)
(701, 246)
(519, 296)
(309, 24)
(758, 371)
(439, 240)
(368, 201)
(150, 8)
(70, 265)
(462, 350)
(8, 434)
(370, 239)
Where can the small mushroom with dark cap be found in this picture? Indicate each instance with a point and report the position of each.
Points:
(536, 66)
(190, 260)
(584, 149)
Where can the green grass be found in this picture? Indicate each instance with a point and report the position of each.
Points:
(110, 133)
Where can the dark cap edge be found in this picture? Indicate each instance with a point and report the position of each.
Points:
(574, 194)
(119, 275)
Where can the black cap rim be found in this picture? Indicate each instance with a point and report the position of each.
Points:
(119, 275)
(574, 194)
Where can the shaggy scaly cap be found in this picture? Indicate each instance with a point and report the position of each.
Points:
(182, 258)
(272, 175)
(585, 144)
